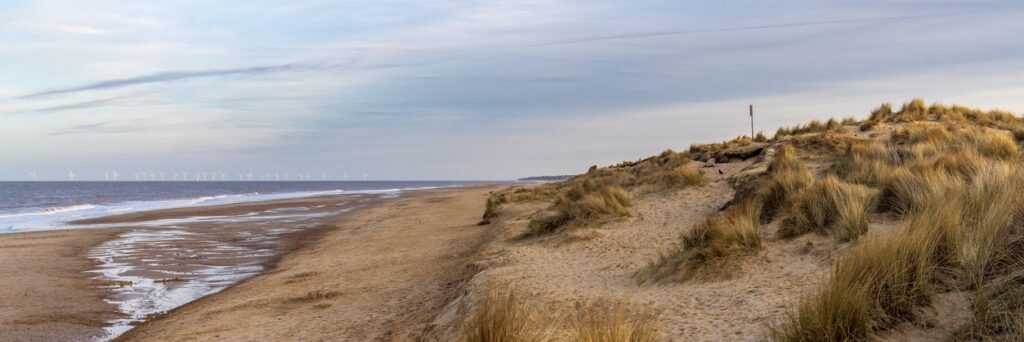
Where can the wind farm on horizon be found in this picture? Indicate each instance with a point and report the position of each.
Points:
(185, 176)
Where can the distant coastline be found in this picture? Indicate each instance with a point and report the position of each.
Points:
(558, 178)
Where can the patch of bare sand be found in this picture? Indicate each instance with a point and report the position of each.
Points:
(599, 265)
(45, 294)
(382, 274)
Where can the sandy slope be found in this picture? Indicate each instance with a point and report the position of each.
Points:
(383, 274)
(45, 294)
(598, 267)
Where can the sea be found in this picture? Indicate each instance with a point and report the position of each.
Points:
(30, 206)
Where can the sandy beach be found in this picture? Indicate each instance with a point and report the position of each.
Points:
(382, 274)
(47, 296)
(317, 272)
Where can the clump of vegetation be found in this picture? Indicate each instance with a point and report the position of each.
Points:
(683, 175)
(611, 323)
(502, 316)
(875, 285)
(829, 206)
(742, 140)
(787, 177)
(580, 207)
(963, 224)
(505, 316)
(602, 193)
(733, 232)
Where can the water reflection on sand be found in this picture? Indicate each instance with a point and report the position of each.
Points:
(162, 264)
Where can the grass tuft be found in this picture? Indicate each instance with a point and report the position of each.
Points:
(716, 239)
(829, 206)
(502, 316)
(603, 323)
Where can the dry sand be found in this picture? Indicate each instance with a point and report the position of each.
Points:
(561, 273)
(381, 274)
(45, 294)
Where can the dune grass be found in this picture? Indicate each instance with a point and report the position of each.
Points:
(502, 316)
(831, 207)
(581, 207)
(957, 228)
(606, 193)
(712, 242)
(742, 140)
(611, 323)
(506, 316)
(787, 178)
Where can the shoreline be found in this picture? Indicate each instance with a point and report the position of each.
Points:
(80, 267)
(365, 278)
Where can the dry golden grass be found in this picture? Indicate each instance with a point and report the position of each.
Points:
(502, 316)
(611, 323)
(714, 241)
(686, 174)
(962, 227)
(603, 193)
(742, 140)
(580, 208)
(876, 285)
(505, 316)
(829, 206)
(787, 178)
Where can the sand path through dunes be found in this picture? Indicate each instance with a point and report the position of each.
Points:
(382, 274)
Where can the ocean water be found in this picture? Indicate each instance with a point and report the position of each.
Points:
(27, 206)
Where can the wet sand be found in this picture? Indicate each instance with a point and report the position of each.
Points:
(45, 294)
(83, 284)
(380, 274)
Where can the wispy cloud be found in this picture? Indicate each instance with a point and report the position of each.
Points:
(107, 127)
(674, 32)
(168, 77)
(112, 101)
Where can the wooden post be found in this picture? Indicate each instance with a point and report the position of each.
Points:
(751, 122)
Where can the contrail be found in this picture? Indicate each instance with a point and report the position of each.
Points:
(750, 28)
(167, 76)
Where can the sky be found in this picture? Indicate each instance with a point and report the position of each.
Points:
(464, 90)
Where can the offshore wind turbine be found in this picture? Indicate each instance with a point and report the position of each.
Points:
(71, 176)
(33, 174)
(323, 176)
(249, 176)
(114, 174)
(174, 176)
(222, 177)
(184, 176)
(106, 175)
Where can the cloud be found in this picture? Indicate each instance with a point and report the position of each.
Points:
(111, 101)
(752, 28)
(168, 77)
